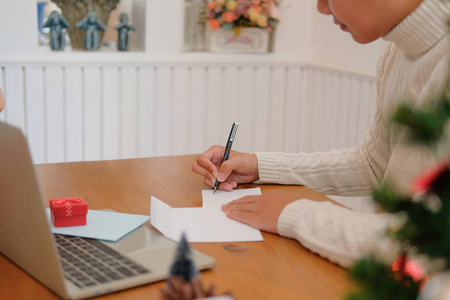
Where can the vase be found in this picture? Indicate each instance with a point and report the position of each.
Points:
(75, 11)
(240, 40)
(41, 5)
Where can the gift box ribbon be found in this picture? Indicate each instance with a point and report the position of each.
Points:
(68, 202)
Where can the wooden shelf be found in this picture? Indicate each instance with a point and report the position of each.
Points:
(44, 55)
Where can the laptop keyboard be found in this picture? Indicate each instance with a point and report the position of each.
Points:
(89, 262)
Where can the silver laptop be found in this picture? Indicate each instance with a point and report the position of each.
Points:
(72, 267)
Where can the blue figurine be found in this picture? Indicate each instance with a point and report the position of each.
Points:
(56, 23)
(123, 39)
(91, 24)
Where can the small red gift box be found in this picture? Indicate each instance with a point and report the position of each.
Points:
(68, 211)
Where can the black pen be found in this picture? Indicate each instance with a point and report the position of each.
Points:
(227, 149)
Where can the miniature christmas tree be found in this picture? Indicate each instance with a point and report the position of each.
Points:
(183, 266)
(184, 280)
(425, 229)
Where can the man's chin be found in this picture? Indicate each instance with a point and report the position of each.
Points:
(362, 40)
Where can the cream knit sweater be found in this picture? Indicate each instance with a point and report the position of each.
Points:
(414, 65)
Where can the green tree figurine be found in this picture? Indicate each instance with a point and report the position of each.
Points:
(183, 266)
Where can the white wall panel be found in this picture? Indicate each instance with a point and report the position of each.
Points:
(14, 92)
(334, 107)
(261, 109)
(111, 119)
(276, 109)
(55, 120)
(246, 111)
(92, 113)
(108, 112)
(214, 106)
(304, 121)
(74, 95)
(181, 104)
(342, 126)
(230, 104)
(128, 112)
(163, 111)
(316, 114)
(146, 112)
(354, 103)
(35, 116)
(197, 109)
(327, 111)
(293, 106)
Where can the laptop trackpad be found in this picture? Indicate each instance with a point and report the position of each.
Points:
(153, 250)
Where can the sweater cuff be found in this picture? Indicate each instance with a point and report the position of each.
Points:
(268, 170)
(289, 217)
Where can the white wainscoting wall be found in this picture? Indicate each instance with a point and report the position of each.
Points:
(99, 111)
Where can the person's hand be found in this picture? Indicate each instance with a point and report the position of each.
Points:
(2, 101)
(178, 289)
(261, 212)
(239, 168)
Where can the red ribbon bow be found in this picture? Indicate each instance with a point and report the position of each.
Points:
(67, 201)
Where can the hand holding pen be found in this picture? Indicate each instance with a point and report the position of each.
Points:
(227, 149)
(238, 168)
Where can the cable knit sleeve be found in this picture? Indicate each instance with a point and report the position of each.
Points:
(343, 172)
(336, 233)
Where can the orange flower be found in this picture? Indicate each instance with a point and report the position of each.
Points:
(228, 16)
(211, 5)
(257, 8)
(213, 24)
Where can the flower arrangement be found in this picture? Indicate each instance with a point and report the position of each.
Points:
(234, 14)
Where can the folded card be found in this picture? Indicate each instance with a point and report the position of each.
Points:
(201, 224)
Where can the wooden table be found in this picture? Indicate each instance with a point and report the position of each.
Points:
(277, 268)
